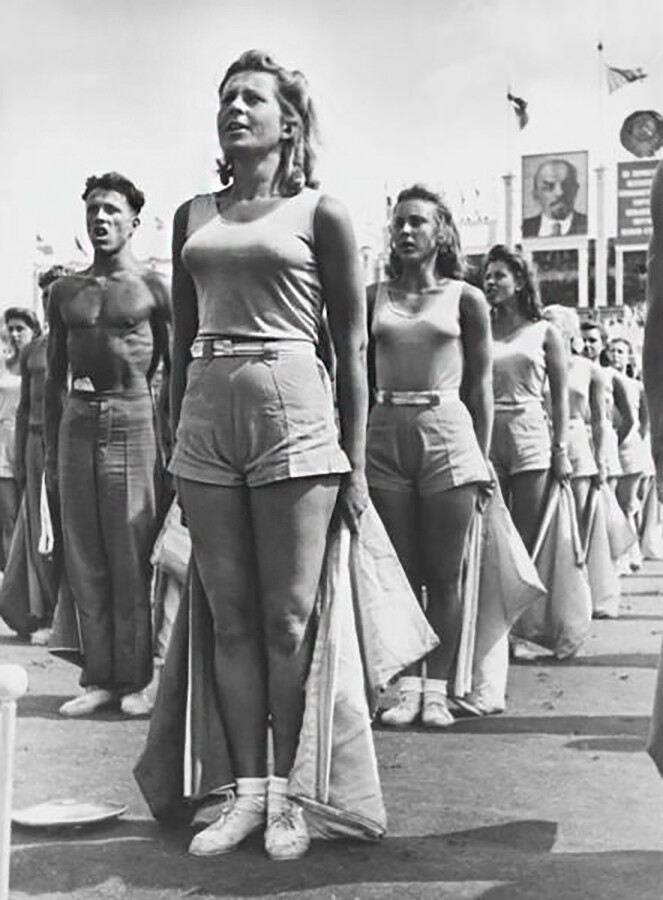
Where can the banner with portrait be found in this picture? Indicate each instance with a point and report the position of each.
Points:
(554, 194)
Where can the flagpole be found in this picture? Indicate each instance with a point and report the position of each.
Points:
(508, 176)
(601, 255)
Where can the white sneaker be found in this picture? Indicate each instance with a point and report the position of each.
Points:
(435, 712)
(138, 704)
(478, 706)
(93, 699)
(407, 710)
(287, 834)
(40, 637)
(246, 815)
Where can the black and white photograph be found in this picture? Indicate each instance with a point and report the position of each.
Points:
(331, 450)
(554, 194)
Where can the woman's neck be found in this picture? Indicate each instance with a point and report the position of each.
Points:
(255, 179)
(508, 318)
(416, 279)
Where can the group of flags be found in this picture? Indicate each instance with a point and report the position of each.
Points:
(616, 78)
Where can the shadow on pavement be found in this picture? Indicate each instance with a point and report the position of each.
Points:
(516, 854)
(637, 726)
(609, 744)
(616, 660)
(45, 706)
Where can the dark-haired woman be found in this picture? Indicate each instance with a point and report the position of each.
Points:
(21, 327)
(258, 466)
(429, 428)
(528, 354)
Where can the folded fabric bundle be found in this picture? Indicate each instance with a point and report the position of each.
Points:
(560, 621)
(370, 627)
(602, 572)
(651, 527)
(507, 584)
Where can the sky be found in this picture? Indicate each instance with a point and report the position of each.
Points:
(405, 91)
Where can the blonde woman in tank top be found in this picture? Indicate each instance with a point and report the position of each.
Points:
(258, 465)
(429, 429)
(528, 355)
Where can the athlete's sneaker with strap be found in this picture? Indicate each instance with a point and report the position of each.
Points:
(287, 834)
(234, 825)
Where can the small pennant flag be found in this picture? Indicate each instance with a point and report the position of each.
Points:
(79, 245)
(619, 77)
(520, 109)
(42, 246)
(158, 223)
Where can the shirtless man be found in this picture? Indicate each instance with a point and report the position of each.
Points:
(108, 333)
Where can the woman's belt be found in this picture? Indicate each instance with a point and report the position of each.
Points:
(519, 406)
(210, 347)
(413, 398)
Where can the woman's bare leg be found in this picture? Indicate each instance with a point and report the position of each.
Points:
(398, 512)
(528, 493)
(445, 519)
(290, 524)
(580, 488)
(223, 545)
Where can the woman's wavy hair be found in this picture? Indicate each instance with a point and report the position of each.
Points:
(297, 165)
(528, 297)
(449, 262)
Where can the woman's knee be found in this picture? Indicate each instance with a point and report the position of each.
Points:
(285, 633)
(233, 632)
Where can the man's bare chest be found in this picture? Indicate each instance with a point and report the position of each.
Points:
(122, 304)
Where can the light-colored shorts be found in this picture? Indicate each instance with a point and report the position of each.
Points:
(521, 441)
(633, 454)
(423, 449)
(581, 456)
(252, 421)
(611, 449)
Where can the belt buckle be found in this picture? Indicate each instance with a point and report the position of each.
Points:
(270, 352)
(434, 400)
(207, 350)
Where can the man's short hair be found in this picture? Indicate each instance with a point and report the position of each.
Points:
(593, 325)
(113, 181)
(24, 315)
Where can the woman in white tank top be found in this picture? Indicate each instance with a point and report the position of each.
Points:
(529, 353)
(257, 460)
(426, 447)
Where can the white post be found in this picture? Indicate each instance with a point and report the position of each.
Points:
(13, 684)
(508, 209)
(619, 276)
(601, 255)
(583, 275)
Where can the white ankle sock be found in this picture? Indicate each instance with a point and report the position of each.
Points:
(277, 793)
(435, 686)
(252, 789)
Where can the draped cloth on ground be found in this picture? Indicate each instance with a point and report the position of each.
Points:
(602, 572)
(507, 584)
(651, 527)
(369, 629)
(561, 620)
(655, 740)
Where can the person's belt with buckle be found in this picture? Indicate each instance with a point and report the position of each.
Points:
(408, 398)
(207, 348)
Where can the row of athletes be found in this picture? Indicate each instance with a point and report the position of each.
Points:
(259, 463)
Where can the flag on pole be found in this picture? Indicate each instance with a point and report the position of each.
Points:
(520, 109)
(79, 245)
(619, 77)
(43, 246)
(158, 223)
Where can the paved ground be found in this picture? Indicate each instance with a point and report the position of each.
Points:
(555, 800)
